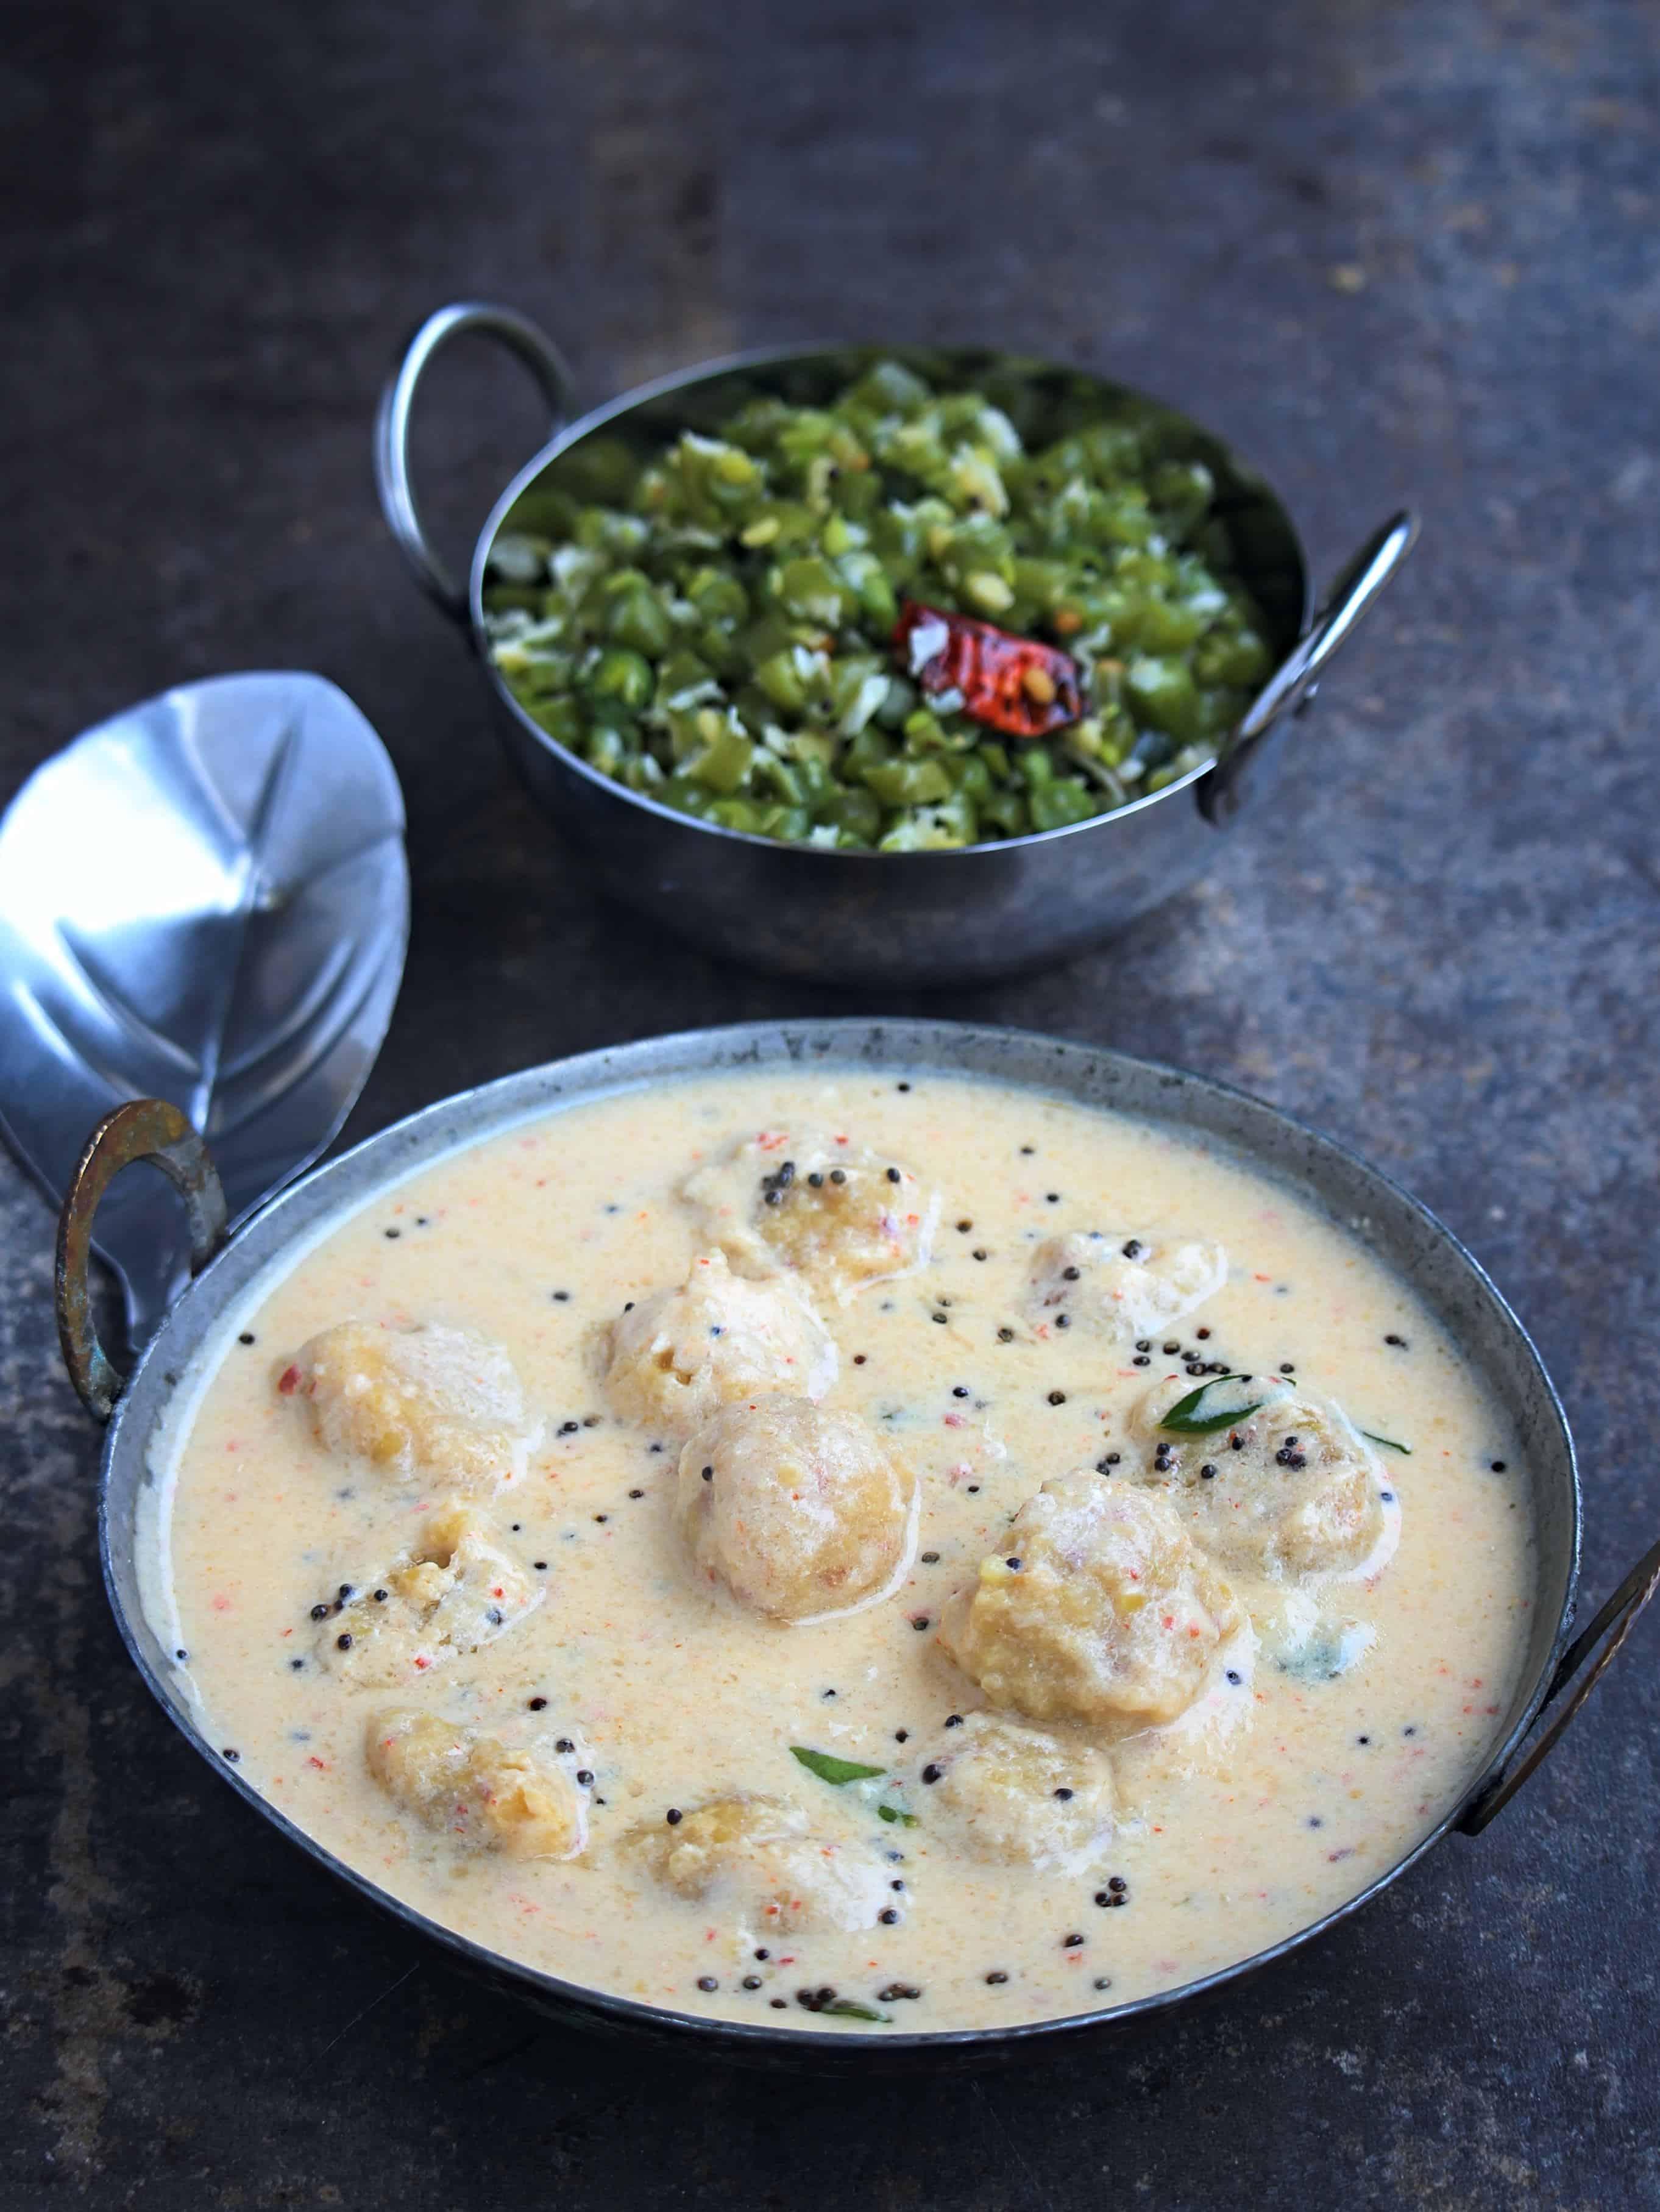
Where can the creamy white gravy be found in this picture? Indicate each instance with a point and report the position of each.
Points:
(1287, 1794)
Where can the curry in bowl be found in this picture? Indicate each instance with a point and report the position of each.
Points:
(891, 1554)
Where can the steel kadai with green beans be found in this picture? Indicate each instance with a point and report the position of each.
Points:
(887, 622)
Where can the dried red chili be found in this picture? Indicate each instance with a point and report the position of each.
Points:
(1015, 684)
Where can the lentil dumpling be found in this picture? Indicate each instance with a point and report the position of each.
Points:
(1097, 1608)
(681, 1352)
(1292, 1492)
(1122, 1285)
(428, 1404)
(1001, 1790)
(841, 1213)
(800, 1513)
(452, 1592)
(493, 1795)
(757, 1861)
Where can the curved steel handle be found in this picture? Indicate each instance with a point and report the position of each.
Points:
(142, 1129)
(1614, 1621)
(391, 435)
(1226, 789)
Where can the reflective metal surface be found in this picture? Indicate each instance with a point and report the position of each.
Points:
(1365, 1204)
(204, 900)
(1227, 789)
(392, 439)
(865, 918)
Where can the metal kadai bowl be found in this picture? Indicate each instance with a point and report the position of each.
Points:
(1557, 1673)
(901, 917)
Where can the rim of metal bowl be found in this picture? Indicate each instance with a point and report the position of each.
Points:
(680, 380)
(596, 1068)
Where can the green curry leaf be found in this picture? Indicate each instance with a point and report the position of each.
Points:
(1388, 1442)
(828, 1768)
(893, 1814)
(1186, 1418)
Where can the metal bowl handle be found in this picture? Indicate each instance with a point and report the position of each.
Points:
(1614, 1621)
(143, 1129)
(1225, 791)
(391, 435)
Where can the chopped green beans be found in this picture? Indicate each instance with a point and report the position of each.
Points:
(711, 622)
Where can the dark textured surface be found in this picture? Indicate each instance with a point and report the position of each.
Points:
(1394, 251)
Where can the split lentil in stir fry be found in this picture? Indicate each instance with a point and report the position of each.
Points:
(883, 622)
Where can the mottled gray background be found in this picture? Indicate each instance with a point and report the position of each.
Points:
(1399, 250)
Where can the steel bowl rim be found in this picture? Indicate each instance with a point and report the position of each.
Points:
(762, 2038)
(760, 357)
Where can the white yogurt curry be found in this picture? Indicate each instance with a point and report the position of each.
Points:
(840, 1551)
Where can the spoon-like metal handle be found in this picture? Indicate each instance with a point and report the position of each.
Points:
(205, 900)
(392, 438)
(1225, 791)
